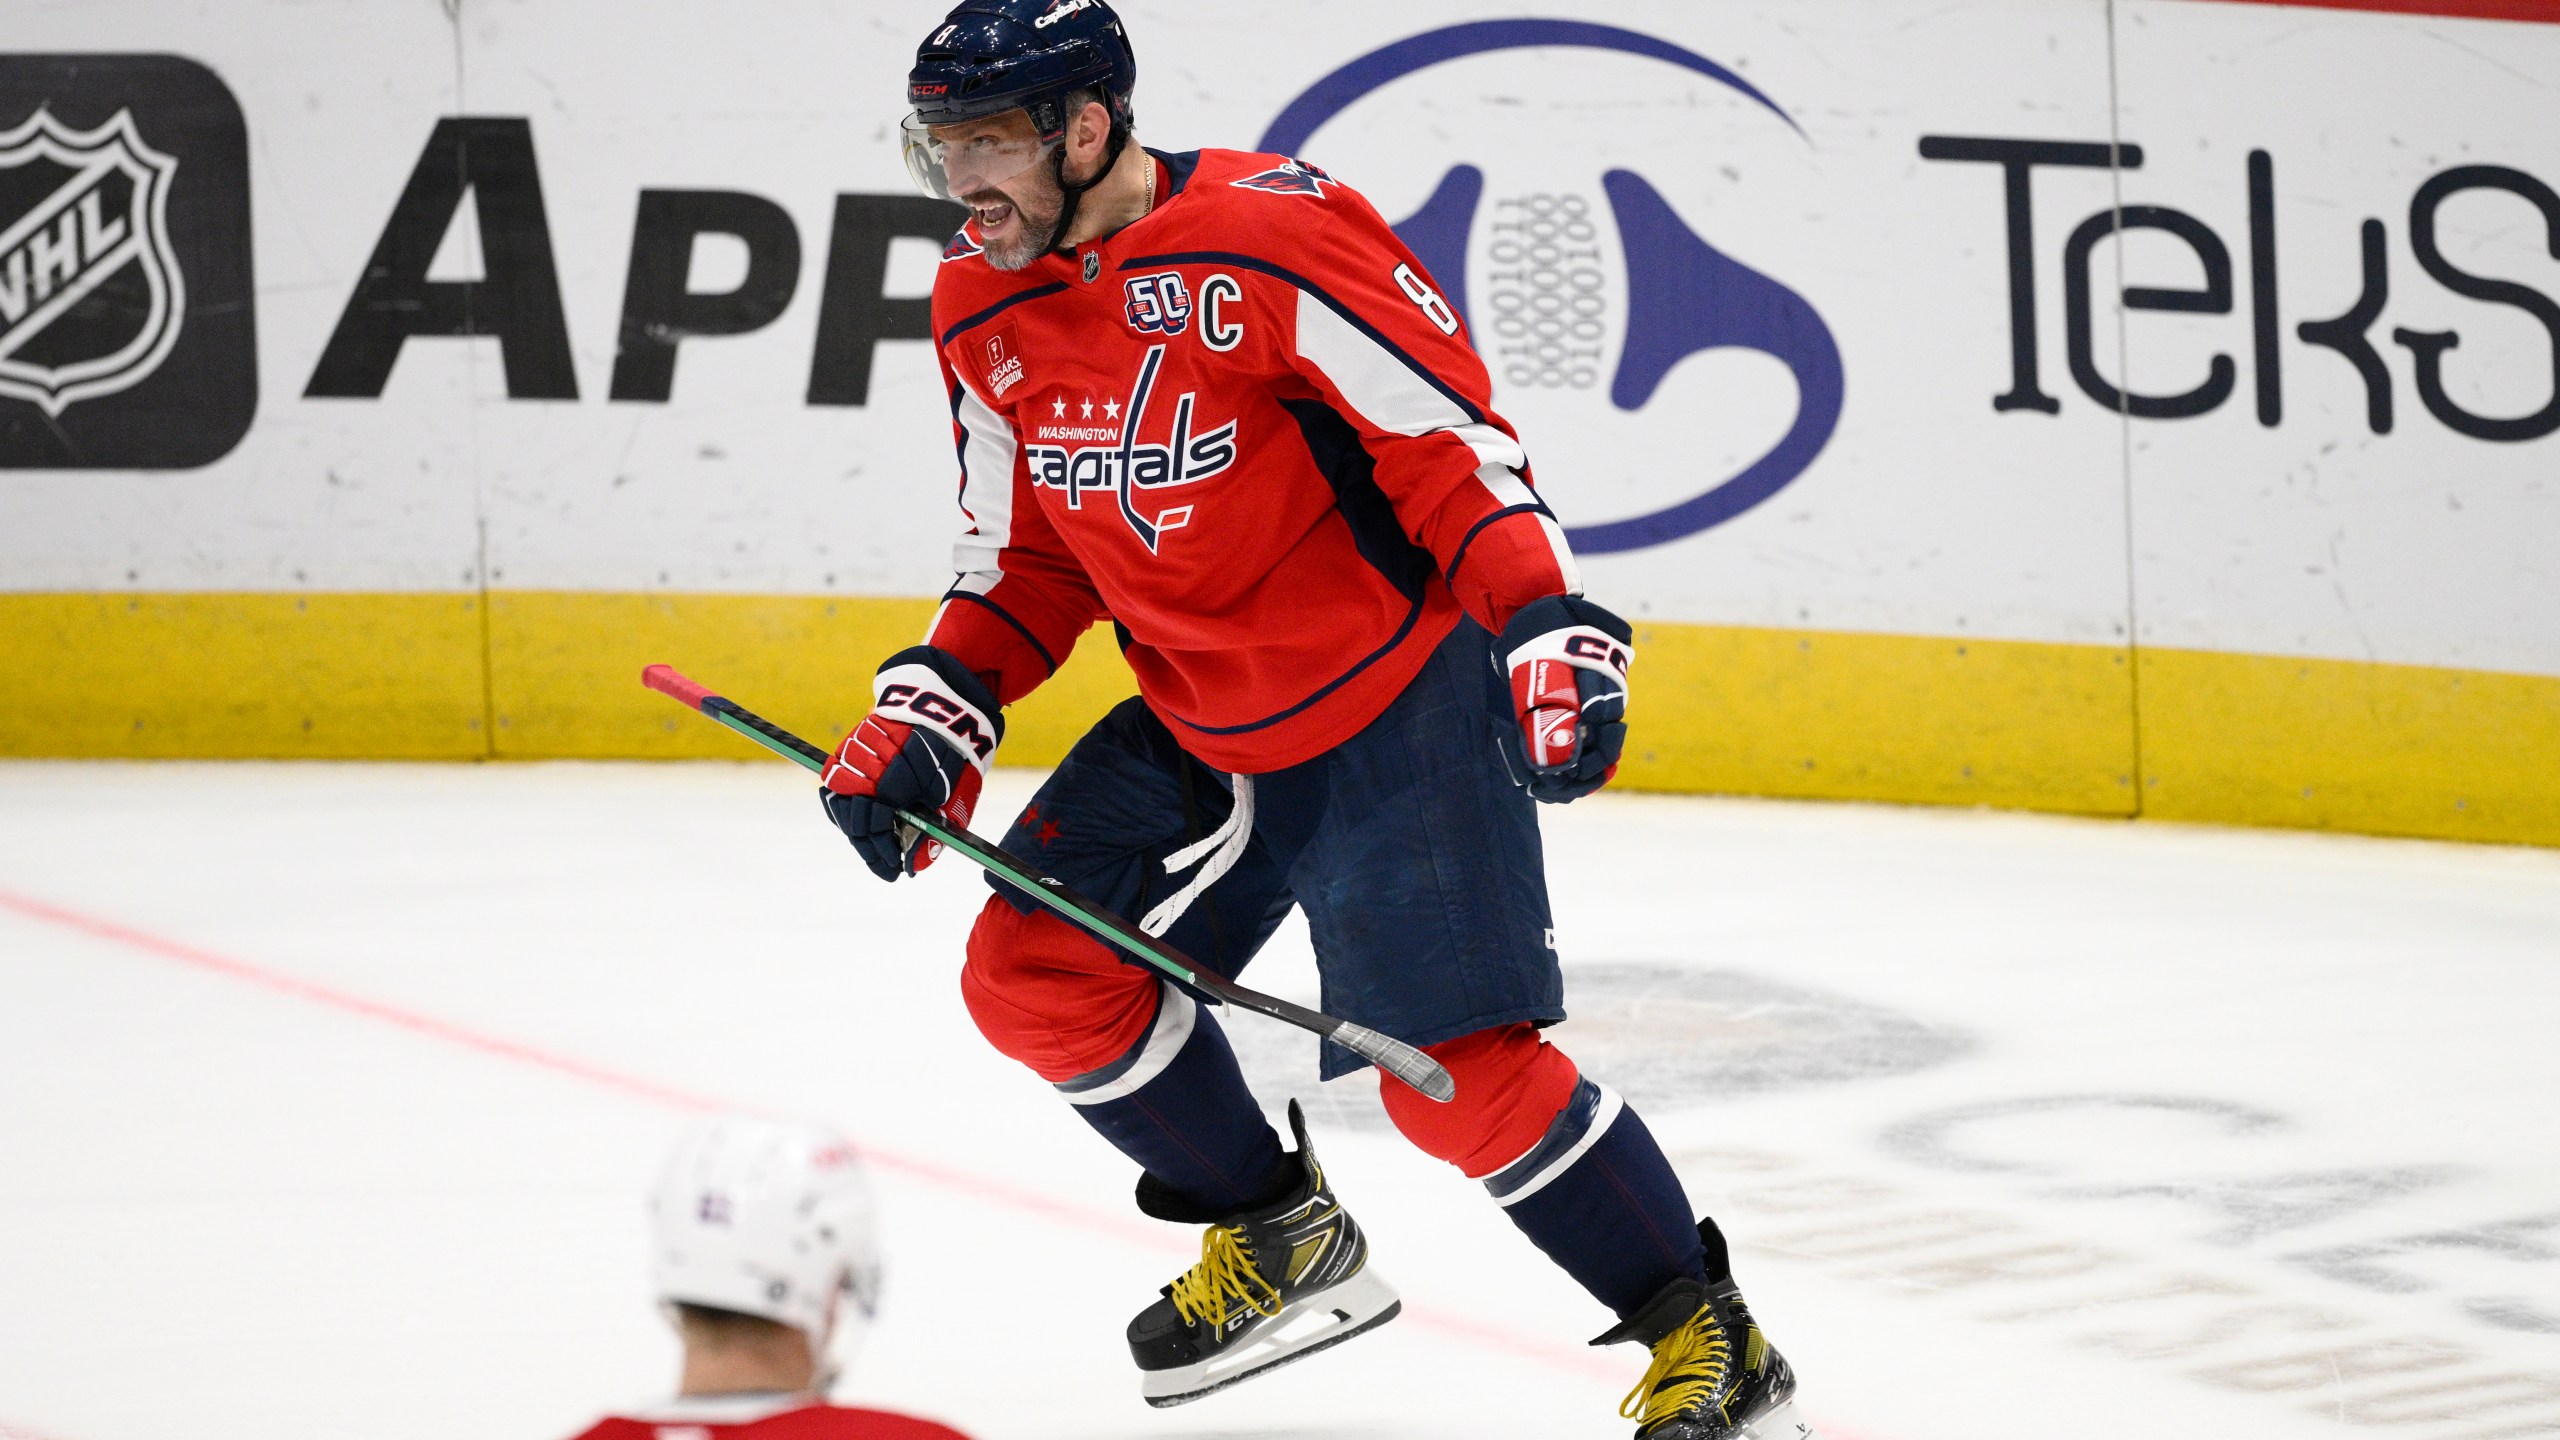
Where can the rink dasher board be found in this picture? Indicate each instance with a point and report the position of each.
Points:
(2264, 611)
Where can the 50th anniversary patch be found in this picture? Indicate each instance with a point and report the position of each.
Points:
(127, 338)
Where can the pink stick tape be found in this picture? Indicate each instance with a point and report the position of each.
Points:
(667, 681)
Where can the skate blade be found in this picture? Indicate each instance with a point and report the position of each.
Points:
(1782, 1421)
(1317, 1322)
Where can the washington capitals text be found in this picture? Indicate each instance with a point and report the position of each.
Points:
(1183, 459)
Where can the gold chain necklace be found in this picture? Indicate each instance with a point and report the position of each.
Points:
(1093, 255)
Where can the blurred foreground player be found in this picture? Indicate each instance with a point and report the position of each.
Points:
(767, 1265)
(1212, 398)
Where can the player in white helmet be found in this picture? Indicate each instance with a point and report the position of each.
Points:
(767, 1263)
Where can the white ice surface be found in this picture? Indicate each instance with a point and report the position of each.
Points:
(328, 1095)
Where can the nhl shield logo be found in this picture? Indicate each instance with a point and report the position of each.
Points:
(91, 298)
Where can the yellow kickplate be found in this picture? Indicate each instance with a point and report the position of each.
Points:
(1842, 716)
(565, 672)
(2239, 739)
(2344, 745)
(236, 676)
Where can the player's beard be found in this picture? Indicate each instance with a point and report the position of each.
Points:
(1037, 203)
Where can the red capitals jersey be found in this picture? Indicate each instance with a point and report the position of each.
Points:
(1247, 429)
(765, 1417)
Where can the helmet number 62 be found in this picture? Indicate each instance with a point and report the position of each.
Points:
(1429, 299)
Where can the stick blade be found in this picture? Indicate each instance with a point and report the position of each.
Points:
(1398, 1059)
(666, 680)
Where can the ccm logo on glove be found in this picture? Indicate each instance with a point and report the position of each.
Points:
(1567, 661)
(923, 749)
(1594, 646)
(954, 719)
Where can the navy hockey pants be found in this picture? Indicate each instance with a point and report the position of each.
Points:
(1418, 863)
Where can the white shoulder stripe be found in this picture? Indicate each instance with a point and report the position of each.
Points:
(986, 494)
(1385, 390)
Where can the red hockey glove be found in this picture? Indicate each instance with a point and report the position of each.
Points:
(1567, 659)
(924, 747)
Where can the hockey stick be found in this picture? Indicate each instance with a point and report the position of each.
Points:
(1386, 1052)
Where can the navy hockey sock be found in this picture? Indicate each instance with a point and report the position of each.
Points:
(1177, 1104)
(1597, 1195)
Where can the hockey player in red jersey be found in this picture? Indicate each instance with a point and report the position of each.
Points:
(766, 1262)
(1211, 398)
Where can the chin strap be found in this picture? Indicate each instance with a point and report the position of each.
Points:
(824, 1368)
(1075, 192)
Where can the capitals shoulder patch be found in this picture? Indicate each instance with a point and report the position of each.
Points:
(1289, 177)
(961, 247)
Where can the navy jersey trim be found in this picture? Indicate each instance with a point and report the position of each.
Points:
(1394, 642)
(1478, 528)
(1350, 316)
(1001, 613)
(1001, 306)
(1334, 447)
(960, 437)
(1177, 169)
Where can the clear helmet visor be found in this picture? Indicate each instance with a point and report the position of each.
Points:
(974, 159)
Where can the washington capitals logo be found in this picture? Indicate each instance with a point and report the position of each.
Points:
(90, 294)
(1290, 177)
(1190, 452)
(961, 247)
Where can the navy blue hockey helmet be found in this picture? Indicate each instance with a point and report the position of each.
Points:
(990, 56)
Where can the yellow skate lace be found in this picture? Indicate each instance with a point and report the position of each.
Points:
(1688, 1365)
(1226, 1271)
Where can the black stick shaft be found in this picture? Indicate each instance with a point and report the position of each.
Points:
(1389, 1054)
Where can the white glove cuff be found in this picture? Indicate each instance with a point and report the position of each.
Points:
(1583, 647)
(918, 696)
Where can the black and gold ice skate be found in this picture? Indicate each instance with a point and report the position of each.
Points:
(1274, 1284)
(1714, 1375)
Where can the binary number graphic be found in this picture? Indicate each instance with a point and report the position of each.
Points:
(1549, 312)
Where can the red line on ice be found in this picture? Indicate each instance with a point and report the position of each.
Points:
(343, 1000)
(1560, 1357)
